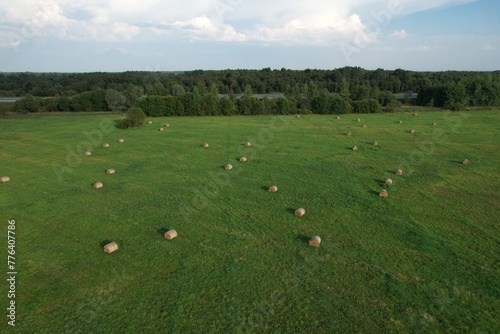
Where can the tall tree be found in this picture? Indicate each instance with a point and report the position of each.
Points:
(116, 101)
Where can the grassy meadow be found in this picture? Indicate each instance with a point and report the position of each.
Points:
(424, 260)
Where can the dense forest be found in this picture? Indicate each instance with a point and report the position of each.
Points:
(250, 92)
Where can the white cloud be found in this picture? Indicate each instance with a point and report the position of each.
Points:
(489, 47)
(399, 34)
(415, 48)
(421, 48)
(204, 28)
(406, 7)
(314, 22)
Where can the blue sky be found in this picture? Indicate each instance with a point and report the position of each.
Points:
(114, 36)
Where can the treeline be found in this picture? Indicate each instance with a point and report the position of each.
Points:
(210, 103)
(348, 89)
(95, 100)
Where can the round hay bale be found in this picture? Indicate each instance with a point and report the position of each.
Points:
(243, 159)
(399, 172)
(412, 131)
(273, 189)
(375, 143)
(349, 133)
(364, 126)
(400, 122)
(170, 234)
(162, 129)
(110, 171)
(205, 145)
(121, 140)
(415, 114)
(87, 153)
(354, 148)
(388, 182)
(314, 241)
(228, 167)
(150, 122)
(98, 185)
(434, 124)
(297, 116)
(167, 125)
(338, 117)
(4, 179)
(300, 212)
(111, 247)
(358, 120)
(247, 144)
(465, 161)
(383, 193)
(105, 145)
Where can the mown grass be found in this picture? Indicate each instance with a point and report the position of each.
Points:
(423, 260)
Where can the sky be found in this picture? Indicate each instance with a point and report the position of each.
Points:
(175, 35)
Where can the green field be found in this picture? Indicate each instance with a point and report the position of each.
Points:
(424, 260)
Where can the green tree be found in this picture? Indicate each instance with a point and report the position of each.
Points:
(248, 91)
(366, 106)
(154, 86)
(81, 102)
(456, 96)
(28, 104)
(388, 100)
(338, 104)
(135, 118)
(196, 96)
(190, 104)
(226, 106)
(5, 108)
(98, 100)
(69, 93)
(210, 101)
(132, 93)
(320, 103)
(177, 90)
(169, 105)
(282, 106)
(116, 101)
(51, 103)
(267, 106)
(344, 88)
(64, 104)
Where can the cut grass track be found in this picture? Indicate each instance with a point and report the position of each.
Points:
(425, 259)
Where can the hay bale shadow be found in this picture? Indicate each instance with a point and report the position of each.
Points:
(162, 231)
(380, 182)
(457, 162)
(373, 192)
(291, 210)
(105, 242)
(302, 238)
(266, 188)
